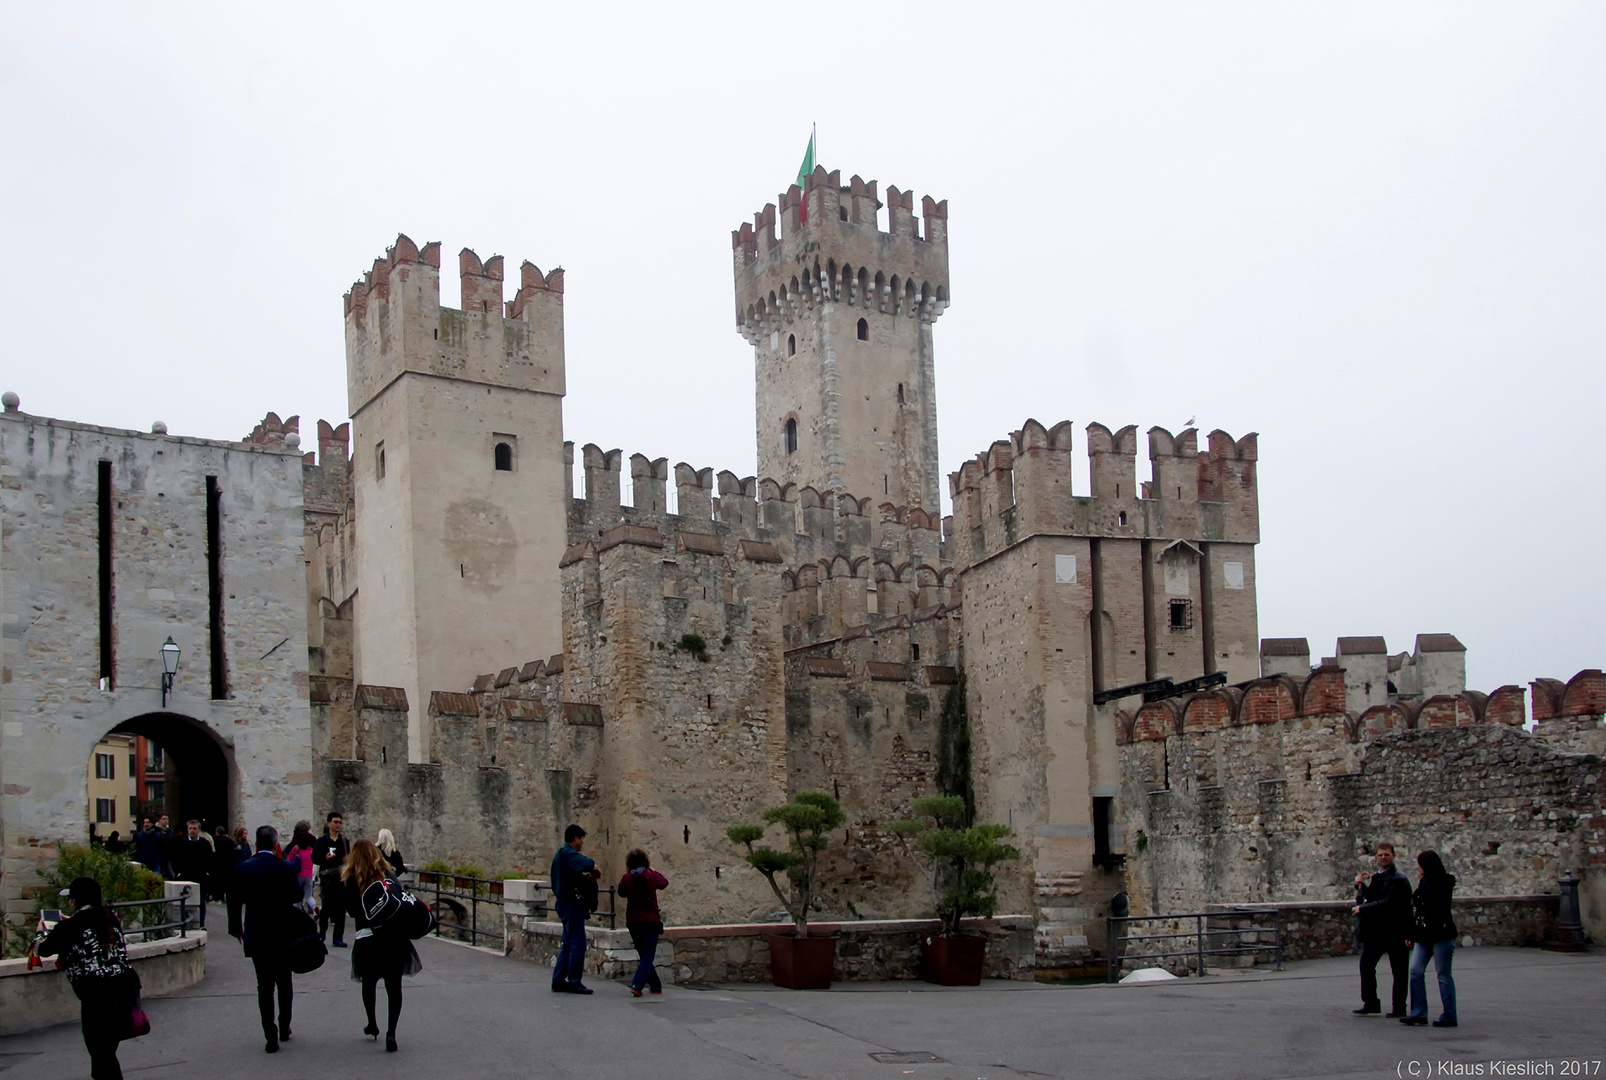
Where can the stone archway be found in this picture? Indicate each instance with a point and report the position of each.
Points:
(202, 780)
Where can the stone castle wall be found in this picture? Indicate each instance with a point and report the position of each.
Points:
(1274, 793)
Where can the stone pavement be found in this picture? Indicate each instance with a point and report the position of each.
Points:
(475, 1014)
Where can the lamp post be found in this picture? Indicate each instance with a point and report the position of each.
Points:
(169, 667)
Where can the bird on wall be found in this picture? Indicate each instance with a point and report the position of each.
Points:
(1189, 424)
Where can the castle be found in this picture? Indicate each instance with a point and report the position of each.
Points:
(489, 654)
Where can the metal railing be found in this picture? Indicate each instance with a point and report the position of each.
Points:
(465, 894)
(1244, 935)
(182, 925)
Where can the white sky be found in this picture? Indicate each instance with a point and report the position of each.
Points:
(1374, 234)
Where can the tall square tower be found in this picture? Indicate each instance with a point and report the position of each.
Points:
(839, 314)
(458, 471)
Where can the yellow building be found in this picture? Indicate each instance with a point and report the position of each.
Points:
(112, 786)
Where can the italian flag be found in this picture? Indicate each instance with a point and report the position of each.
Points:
(805, 170)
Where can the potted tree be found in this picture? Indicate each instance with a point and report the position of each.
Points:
(957, 859)
(797, 961)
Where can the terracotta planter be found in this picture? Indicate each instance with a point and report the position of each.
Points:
(496, 888)
(954, 961)
(428, 877)
(802, 963)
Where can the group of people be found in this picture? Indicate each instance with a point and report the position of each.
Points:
(264, 890)
(574, 892)
(358, 878)
(1410, 928)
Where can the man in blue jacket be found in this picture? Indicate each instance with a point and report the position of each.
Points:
(570, 869)
(267, 887)
(1384, 907)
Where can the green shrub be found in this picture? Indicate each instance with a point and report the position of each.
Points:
(120, 879)
(806, 820)
(694, 644)
(957, 859)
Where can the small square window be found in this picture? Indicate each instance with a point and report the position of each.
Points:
(1182, 614)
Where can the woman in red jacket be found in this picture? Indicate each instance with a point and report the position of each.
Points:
(640, 887)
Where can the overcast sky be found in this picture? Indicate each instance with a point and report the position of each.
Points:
(1374, 235)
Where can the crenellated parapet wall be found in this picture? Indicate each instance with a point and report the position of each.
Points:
(1022, 486)
(1272, 791)
(395, 322)
(830, 249)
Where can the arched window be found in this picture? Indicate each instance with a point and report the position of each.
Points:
(504, 457)
(791, 344)
(790, 440)
(864, 329)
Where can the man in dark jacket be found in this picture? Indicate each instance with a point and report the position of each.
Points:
(569, 869)
(266, 886)
(329, 853)
(150, 847)
(1383, 904)
(192, 861)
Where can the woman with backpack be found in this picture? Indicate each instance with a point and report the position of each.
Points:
(640, 887)
(300, 853)
(382, 949)
(1432, 935)
(90, 944)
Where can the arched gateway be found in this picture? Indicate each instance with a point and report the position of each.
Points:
(115, 544)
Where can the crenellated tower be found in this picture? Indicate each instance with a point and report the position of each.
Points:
(839, 313)
(457, 472)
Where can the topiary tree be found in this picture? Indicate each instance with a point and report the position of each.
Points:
(807, 820)
(957, 859)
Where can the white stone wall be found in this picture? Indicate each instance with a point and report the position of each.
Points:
(52, 711)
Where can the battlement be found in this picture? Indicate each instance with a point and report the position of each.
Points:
(1022, 486)
(395, 323)
(1321, 697)
(830, 249)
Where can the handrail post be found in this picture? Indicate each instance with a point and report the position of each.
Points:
(1198, 936)
(183, 915)
(474, 916)
(1109, 956)
(1277, 939)
(437, 905)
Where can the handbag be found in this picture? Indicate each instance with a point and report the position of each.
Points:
(138, 1023)
(403, 912)
(305, 950)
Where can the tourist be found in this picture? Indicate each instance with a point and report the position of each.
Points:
(242, 845)
(1433, 934)
(192, 860)
(90, 943)
(265, 886)
(165, 827)
(150, 848)
(640, 887)
(302, 843)
(1383, 904)
(573, 875)
(223, 852)
(386, 842)
(115, 844)
(380, 950)
(328, 855)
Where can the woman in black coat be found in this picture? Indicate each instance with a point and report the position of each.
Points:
(90, 944)
(380, 951)
(1433, 934)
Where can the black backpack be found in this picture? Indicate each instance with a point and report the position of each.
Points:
(306, 951)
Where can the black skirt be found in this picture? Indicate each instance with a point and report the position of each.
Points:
(380, 955)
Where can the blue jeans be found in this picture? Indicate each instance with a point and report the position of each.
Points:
(1441, 952)
(571, 961)
(645, 937)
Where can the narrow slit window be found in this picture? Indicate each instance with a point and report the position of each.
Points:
(900, 393)
(104, 539)
(1101, 831)
(864, 329)
(791, 344)
(790, 437)
(214, 589)
(379, 460)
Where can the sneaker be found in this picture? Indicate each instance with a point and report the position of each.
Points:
(656, 990)
(635, 991)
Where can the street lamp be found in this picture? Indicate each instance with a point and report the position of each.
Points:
(169, 667)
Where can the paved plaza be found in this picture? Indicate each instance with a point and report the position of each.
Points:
(475, 1014)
